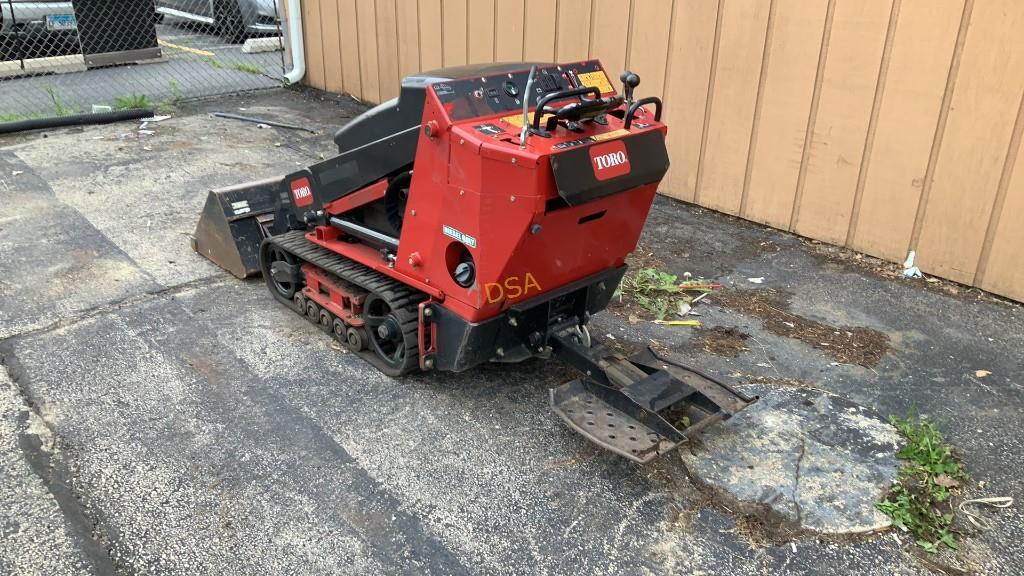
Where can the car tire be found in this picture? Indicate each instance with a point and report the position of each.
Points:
(227, 17)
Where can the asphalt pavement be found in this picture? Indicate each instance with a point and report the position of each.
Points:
(161, 416)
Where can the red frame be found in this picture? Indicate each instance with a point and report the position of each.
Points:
(489, 188)
(339, 301)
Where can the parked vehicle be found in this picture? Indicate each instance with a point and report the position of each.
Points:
(37, 29)
(233, 19)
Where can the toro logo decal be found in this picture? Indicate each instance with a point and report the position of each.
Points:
(302, 193)
(609, 160)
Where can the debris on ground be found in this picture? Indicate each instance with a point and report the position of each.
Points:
(759, 280)
(677, 322)
(909, 270)
(847, 344)
(259, 121)
(653, 294)
(982, 373)
(724, 341)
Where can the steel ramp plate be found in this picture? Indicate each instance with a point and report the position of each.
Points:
(611, 420)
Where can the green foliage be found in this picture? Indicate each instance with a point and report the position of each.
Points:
(214, 62)
(20, 117)
(176, 93)
(653, 290)
(59, 107)
(919, 501)
(247, 68)
(132, 101)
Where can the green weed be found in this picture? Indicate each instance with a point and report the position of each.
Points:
(59, 108)
(132, 101)
(176, 94)
(214, 62)
(247, 68)
(653, 290)
(919, 501)
(20, 117)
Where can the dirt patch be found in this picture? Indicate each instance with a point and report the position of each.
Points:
(847, 344)
(724, 341)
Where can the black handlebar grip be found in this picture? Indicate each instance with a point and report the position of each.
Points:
(561, 96)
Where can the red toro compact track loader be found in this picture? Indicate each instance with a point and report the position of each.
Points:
(482, 216)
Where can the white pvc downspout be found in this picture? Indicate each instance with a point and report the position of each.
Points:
(295, 42)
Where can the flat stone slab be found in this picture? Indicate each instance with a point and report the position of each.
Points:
(802, 458)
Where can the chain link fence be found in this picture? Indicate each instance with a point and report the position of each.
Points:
(59, 58)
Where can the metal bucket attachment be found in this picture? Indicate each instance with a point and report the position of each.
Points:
(234, 222)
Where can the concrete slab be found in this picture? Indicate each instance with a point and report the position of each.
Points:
(802, 460)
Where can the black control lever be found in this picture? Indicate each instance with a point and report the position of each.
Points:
(630, 80)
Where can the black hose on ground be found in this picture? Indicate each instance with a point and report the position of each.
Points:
(75, 120)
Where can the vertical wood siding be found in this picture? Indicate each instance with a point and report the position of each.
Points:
(882, 125)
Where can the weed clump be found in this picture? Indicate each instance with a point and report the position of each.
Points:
(655, 291)
(919, 501)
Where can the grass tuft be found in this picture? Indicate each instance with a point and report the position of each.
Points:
(919, 501)
(247, 68)
(59, 107)
(132, 101)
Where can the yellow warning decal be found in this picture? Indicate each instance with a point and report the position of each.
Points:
(610, 135)
(597, 80)
(517, 120)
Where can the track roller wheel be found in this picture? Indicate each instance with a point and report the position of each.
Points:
(313, 312)
(326, 321)
(391, 330)
(300, 302)
(338, 329)
(355, 339)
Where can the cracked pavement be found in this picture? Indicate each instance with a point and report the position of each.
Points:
(161, 416)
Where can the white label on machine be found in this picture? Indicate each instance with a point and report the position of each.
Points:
(464, 238)
(240, 207)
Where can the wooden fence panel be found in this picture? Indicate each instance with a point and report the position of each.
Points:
(331, 54)
(508, 30)
(974, 147)
(481, 30)
(431, 30)
(652, 22)
(744, 24)
(1002, 271)
(313, 36)
(832, 166)
(791, 66)
(455, 33)
(369, 71)
(610, 32)
(686, 91)
(408, 37)
(918, 72)
(387, 49)
(348, 25)
(884, 125)
(572, 39)
(539, 31)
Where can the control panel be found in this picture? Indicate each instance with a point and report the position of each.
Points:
(504, 93)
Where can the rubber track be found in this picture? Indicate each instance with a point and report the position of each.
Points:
(404, 301)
